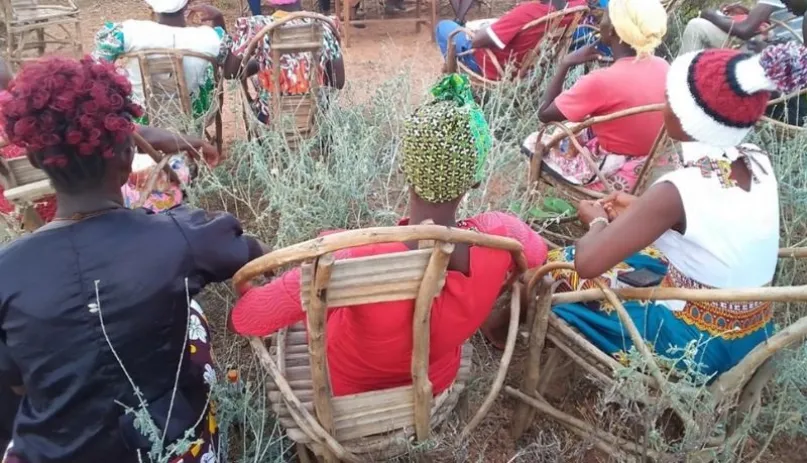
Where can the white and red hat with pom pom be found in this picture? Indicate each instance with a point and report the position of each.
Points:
(718, 95)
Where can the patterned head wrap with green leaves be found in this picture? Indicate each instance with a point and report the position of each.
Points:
(446, 142)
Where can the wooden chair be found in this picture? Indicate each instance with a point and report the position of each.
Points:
(570, 131)
(167, 98)
(741, 386)
(294, 116)
(418, 20)
(24, 185)
(554, 44)
(29, 26)
(378, 424)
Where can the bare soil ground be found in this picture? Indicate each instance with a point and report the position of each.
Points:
(380, 52)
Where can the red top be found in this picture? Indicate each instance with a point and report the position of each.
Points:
(512, 45)
(627, 83)
(370, 346)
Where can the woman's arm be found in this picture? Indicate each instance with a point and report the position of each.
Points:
(549, 111)
(170, 142)
(605, 245)
(744, 29)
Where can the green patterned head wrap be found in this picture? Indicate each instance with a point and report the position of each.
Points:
(446, 142)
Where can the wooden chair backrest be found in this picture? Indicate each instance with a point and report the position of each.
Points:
(165, 88)
(294, 114)
(13, 8)
(556, 39)
(571, 131)
(22, 182)
(411, 275)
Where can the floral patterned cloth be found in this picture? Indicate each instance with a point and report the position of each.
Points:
(563, 161)
(204, 450)
(116, 39)
(295, 68)
(164, 195)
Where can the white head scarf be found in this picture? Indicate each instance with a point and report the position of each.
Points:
(167, 6)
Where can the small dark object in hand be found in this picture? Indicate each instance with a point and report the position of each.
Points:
(641, 278)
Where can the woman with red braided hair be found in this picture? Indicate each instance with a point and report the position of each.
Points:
(714, 99)
(96, 315)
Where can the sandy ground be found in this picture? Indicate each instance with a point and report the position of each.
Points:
(377, 53)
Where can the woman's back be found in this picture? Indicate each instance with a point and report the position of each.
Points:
(628, 83)
(122, 278)
(732, 235)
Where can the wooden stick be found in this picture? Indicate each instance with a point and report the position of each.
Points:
(317, 347)
(572, 422)
(767, 293)
(498, 382)
(591, 369)
(429, 289)
(796, 253)
(300, 414)
(324, 244)
(529, 383)
(729, 381)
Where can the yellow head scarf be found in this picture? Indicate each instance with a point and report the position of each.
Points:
(639, 23)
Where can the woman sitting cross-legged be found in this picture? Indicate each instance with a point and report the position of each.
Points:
(97, 305)
(631, 29)
(713, 223)
(370, 346)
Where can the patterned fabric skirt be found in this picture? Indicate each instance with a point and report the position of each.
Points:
(667, 332)
(164, 196)
(563, 162)
(204, 450)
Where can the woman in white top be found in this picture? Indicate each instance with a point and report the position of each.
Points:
(169, 31)
(714, 223)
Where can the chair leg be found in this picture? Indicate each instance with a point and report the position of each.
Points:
(302, 454)
(529, 384)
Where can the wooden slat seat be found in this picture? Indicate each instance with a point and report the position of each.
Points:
(358, 414)
(167, 97)
(379, 424)
(293, 116)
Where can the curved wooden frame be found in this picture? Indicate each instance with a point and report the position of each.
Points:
(319, 252)
(253, 124)
(743, 383)
(560, 34)
(570, 131)
(177, 56)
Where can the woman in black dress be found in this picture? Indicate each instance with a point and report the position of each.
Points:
(99, 301)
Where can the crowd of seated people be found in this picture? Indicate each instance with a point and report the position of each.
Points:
(72, 350)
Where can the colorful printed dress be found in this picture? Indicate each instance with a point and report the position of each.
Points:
(295, 69)
(705, 257)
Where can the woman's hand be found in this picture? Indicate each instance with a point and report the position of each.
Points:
(587, 211)
(210, 154)
(582, 55)
(616, 203)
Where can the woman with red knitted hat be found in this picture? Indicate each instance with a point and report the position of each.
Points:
(96, 315)
(714, 98)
